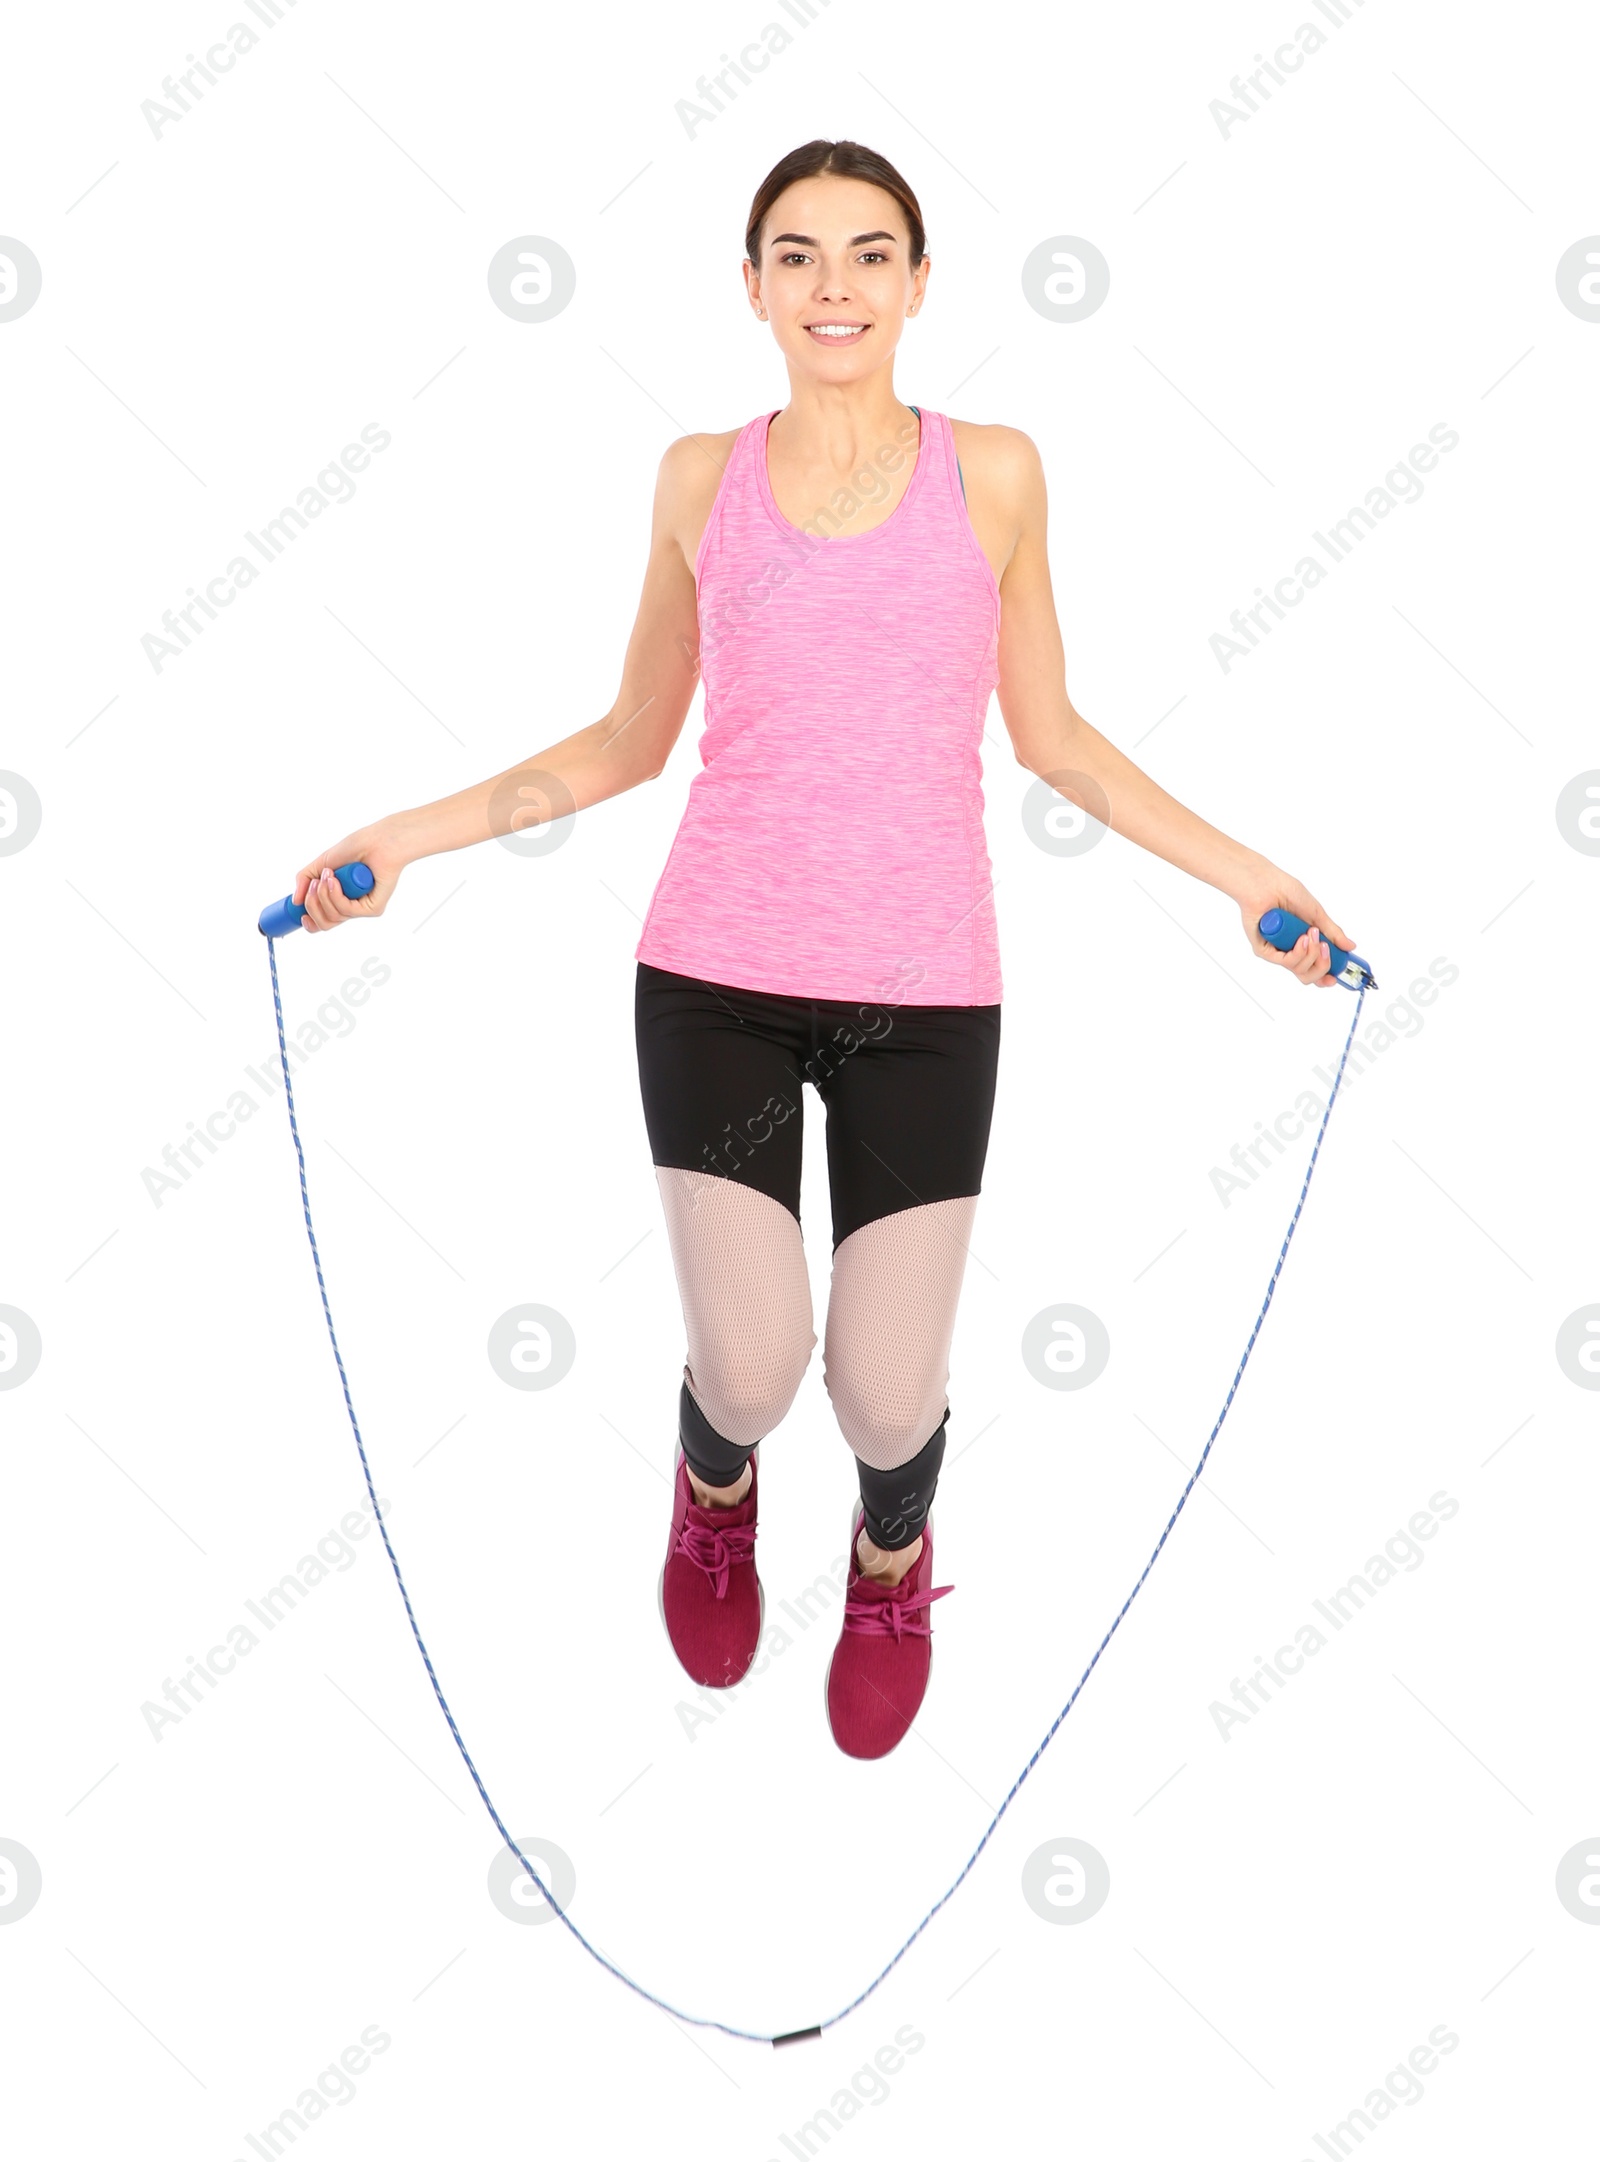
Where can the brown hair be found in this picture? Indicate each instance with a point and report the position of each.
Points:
(852, 161)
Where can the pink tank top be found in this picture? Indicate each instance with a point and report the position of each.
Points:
(832, 845)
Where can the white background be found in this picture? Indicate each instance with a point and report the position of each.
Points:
(1293, 1909)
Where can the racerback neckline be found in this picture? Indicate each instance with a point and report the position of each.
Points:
(770, 502)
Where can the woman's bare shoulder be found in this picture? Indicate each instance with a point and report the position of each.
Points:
(690, 473)
(1006, 458)
(692, 463)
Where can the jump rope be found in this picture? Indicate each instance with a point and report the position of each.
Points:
(1280, 929)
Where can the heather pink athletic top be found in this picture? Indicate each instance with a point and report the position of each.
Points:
(832, 845)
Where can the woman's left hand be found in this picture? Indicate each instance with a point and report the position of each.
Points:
(1309, 955)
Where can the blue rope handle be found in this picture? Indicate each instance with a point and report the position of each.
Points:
(746, 2034)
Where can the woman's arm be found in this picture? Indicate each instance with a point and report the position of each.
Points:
(629, 744)
(1053, 740)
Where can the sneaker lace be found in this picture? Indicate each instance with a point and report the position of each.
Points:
(894, 1616)
(716, 1549)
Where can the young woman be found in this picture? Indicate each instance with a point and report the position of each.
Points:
(852, 577)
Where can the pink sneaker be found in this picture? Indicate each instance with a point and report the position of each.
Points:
(711, 1601)
(878, 1674)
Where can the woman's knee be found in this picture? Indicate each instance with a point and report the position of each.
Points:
(745, 1384)
(885, 1417)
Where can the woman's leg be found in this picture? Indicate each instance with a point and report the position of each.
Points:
(909, 1113)
(723, 1108)
(908, 1128)
(722, 1103)
(741, 1273)
(886, 1360)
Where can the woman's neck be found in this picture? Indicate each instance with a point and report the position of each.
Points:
(838, 426)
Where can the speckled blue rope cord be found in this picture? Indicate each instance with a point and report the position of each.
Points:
(746, 2034)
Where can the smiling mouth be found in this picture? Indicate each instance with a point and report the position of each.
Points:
(837, 333)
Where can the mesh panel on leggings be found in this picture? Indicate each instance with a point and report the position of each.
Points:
(891, 1317)
(741, 1272)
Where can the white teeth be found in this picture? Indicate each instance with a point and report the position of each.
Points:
(835, 330)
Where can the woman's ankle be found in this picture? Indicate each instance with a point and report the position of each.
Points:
(718, 1497)
(886, 1565)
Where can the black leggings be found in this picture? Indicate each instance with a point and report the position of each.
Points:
(909, 1094)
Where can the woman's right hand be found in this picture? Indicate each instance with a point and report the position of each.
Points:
(323, 898)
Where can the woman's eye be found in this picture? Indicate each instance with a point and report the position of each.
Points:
(875, 255)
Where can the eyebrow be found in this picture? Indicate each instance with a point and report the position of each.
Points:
(806, 240)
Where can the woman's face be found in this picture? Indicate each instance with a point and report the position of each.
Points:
(835, 251)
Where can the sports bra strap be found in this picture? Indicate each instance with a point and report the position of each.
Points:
(960, 476)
